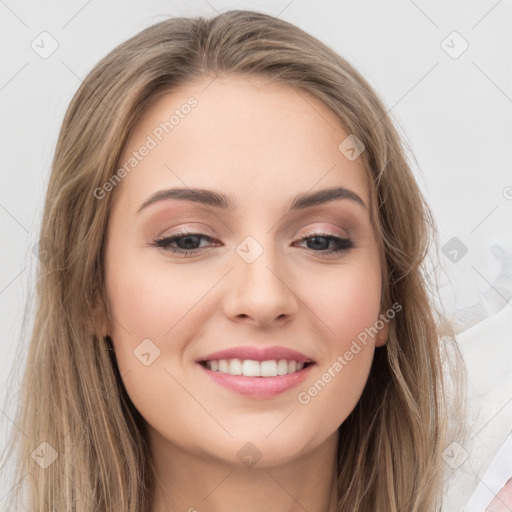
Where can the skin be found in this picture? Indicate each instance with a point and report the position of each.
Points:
(262, 144)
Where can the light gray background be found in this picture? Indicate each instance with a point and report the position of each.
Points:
(455, 113)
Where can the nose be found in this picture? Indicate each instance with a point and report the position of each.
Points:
(260, 292)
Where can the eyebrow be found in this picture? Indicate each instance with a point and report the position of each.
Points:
(220, 200)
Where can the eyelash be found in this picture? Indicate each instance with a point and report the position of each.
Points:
(345, 243)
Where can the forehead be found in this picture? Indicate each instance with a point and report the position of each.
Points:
(246, 136)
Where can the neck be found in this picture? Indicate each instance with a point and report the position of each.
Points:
(190, 482)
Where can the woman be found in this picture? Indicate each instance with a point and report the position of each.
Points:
(233, 312)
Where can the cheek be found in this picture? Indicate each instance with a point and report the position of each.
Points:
(346, 302)
(150, 303)
(347, 308)
(151, 323)
(146, 311)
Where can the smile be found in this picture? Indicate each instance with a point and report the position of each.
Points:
(252, 368)
(257, 372)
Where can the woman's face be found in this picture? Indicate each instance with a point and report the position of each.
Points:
(273, 271)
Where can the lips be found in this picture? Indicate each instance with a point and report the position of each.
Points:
(257, 354)
(257, 372)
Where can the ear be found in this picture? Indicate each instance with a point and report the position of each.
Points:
(382, 336)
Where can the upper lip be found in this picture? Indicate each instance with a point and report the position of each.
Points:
(257, 354)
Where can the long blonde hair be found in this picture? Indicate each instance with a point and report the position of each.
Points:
(72, 395)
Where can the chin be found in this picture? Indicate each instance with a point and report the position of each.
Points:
(259, 448)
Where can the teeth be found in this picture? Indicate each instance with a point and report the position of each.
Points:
(282, 367)
(235, 367)
(250, 368)
(268, 369)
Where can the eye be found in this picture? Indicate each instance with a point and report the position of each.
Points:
(189, 243)
(319, 242)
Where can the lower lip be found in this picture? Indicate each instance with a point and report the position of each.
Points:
(258, 387)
